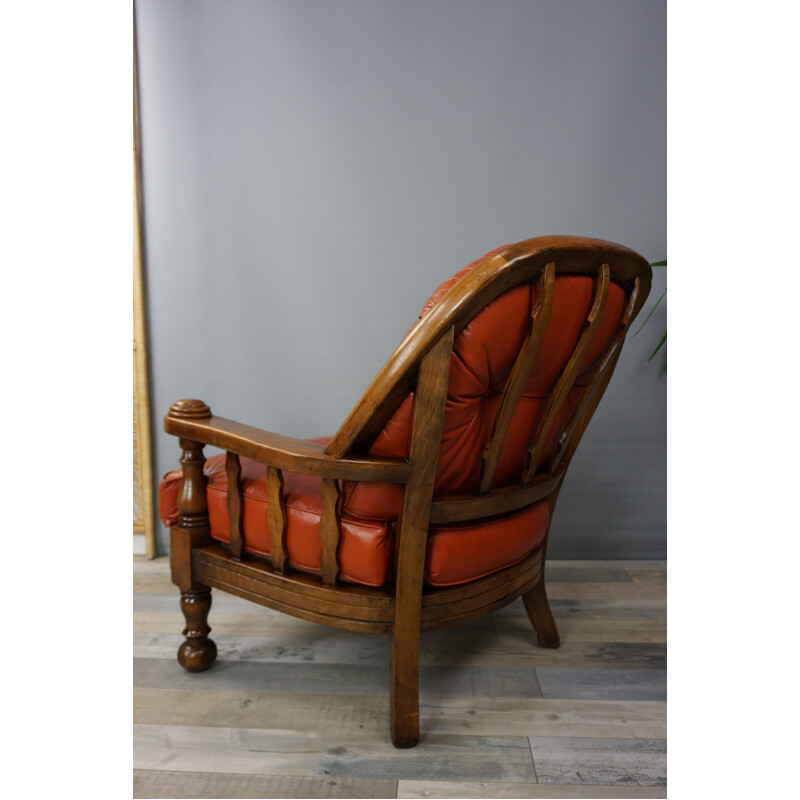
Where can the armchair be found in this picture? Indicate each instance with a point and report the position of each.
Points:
(431, 504)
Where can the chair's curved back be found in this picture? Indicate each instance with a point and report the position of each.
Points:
(537, 330)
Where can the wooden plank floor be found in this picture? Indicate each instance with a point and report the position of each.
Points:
(296, 709)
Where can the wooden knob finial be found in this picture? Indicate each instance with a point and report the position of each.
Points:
(189, 409)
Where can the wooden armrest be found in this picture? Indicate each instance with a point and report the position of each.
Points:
(282, 452)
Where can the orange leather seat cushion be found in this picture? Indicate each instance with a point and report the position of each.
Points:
(366, 547)
(456, 553)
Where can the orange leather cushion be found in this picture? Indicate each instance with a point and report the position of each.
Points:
(365, 547)
(461, 553)
(456, 553)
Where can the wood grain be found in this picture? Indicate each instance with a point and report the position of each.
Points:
(322, 678)
(169, 784)
(603, 684)
(330, 531)
(276, 511)
(618, 762)
(233, 474)
(258, 751)
(479, 716)
(476, 789)
(427, 418)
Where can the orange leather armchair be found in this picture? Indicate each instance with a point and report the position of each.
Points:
(431, 505)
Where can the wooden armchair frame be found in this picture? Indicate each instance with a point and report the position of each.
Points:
(420, 364)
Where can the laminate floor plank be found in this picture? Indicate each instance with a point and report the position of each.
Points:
(598, 608)
(620, 762)
(622, 563)
(416, 790)
(335, 679)
(287, 752)
(575, 628)
(153, 582)
(582, 573)
(647, 574)
(481, 649)
(150, 566)
(358, 717)
(603, 684)
(168, 784)
(635, 590)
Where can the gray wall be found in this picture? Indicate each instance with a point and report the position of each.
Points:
(312, 170)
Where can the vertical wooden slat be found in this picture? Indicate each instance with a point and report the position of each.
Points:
(329, 531)
(276, 514)
(594, 391)
(233, 472)
(427, 420)
(569, 373)
(518, 378)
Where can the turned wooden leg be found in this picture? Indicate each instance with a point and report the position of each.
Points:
(540, 616)
(198, 652)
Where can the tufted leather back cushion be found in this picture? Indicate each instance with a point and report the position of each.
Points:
(484, 352)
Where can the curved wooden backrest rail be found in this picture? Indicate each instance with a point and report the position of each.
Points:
(420, 364)
(497, 274)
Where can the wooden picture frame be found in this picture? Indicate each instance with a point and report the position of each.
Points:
(143, 506)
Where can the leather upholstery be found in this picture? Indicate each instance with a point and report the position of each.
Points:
(366, 547)
(484, 352)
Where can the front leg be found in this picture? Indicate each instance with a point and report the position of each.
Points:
(198, 652)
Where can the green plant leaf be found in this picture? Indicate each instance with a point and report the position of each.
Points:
(651, 312)
(660, 344)
(659, 263)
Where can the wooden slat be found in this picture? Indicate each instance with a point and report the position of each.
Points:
(594, 392)
(518, 378)
(233, 472)
(427, 420)
(329, 531)
(569, 373)
(276, 512)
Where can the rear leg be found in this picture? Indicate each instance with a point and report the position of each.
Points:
(541, 616)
